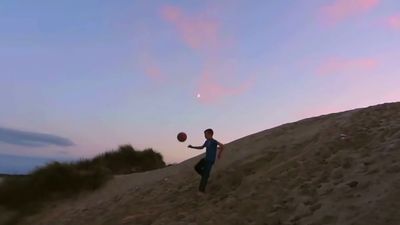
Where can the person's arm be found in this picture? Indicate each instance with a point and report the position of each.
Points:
(196, 147)
(220, 148)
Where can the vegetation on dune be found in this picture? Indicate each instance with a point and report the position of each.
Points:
(60, 180)
(126, 160)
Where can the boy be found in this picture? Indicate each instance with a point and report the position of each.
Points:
(203, 167)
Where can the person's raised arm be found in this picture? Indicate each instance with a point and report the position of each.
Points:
(196, 147)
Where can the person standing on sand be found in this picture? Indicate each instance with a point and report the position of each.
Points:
(203, 167)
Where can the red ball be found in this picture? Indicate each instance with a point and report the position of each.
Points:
(181, 137)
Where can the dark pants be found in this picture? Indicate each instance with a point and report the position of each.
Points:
(203, 168)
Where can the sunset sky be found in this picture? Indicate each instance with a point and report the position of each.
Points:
(81, 77)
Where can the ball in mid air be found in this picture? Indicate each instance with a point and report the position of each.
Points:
(182, 137)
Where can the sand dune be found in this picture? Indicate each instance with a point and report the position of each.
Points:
(341, 168)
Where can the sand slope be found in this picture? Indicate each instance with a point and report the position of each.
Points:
(341, 168)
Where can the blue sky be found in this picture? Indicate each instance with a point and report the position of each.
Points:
(104, 73)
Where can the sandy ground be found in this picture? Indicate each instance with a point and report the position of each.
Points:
(341, 168)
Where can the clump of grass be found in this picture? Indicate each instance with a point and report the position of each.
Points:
(127, 160)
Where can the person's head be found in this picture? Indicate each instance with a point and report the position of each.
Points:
(208, 134)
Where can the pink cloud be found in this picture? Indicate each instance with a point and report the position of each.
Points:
(151, 68)
(340, 10)
(393, 21)
(171, 13)
(153, 72)
(203, 34)
(212, 91)
(196, 31)
(340, 65)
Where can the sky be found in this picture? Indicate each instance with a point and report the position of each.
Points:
(78, 78)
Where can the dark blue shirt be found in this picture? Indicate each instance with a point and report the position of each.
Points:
(211, 149)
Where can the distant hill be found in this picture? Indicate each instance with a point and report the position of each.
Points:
(11, 175)
(15, 164)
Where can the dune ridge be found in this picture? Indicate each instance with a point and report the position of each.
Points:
(340, 168)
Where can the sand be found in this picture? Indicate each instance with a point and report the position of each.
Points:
(341, 168)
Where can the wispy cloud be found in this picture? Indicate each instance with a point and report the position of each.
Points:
(213, 90)
(340, 10)
(393, 21)
(32, 139)
(151, 67)
(203, 34)
(153, 71)
(342, 65)
(196, 30)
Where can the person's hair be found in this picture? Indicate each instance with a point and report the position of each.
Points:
(210, 131)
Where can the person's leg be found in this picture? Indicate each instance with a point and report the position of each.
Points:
(200, 166)
(205, 176)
